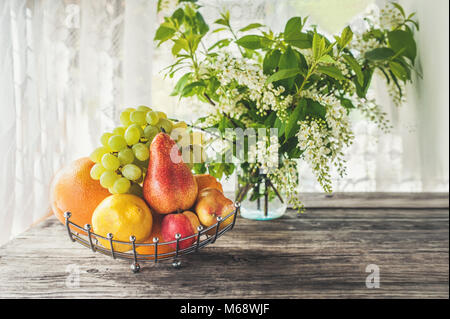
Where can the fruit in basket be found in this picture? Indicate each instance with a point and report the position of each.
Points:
(210, 204)
(124, 153)
(207, 181)
(122, 215)
(185, 224)
(169, 185)
(73, 190)
(156, 232)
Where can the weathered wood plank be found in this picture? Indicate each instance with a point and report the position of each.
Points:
(320, 254)
(375, 200)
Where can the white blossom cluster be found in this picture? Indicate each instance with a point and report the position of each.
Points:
(360, 46)
(243, 79)
(264, 153)
(387, 18)
(286, 180)
(323, 141)
(372, 111)
(396, 91)
(348, 86)
(390, 17)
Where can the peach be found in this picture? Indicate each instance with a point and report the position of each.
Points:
(185, 224)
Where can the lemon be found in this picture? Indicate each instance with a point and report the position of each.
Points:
(122, 215)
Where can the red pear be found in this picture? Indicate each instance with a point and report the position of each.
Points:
(169, 185)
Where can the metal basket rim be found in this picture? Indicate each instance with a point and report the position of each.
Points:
(134, 255)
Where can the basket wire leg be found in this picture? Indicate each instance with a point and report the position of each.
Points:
(156, 240)
(88, 229)
(238, 209)
(110, 237)
(199, 229)
(219, 221)
(67, 215)
(176, 262)
(135, 267)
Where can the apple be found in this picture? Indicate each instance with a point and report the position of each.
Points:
(185, 224)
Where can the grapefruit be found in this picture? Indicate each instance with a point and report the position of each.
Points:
(73, 190)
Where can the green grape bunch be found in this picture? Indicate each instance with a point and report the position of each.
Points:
(122, 159)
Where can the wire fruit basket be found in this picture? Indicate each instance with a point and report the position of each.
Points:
(203, 237)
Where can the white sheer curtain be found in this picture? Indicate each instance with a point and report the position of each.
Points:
(68, 66)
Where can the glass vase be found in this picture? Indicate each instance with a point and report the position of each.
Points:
(261, 200)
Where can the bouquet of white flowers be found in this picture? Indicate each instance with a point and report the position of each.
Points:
(297, 81)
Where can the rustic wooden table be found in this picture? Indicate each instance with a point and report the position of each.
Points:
(320, 254)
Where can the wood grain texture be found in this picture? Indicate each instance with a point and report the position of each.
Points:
(373, 200)
(320, 254)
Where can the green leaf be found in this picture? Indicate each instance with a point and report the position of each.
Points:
(178, 15)
(188, 89)
(361, 90)
(202, 26)
(282, 74)
(326, 59)
(317, 46)
(416, 24)
(190, 11)
(181, 84)
(294, 36)
(346, 37)
(199, 168)
(292, 125)
(222, 22)
(398, 70)
(163, 34)
(403, 40)
(251, 26)
(355, 67)
(332, 71)
(219, 30)
(279, 125)
(251, 42)
(288, 60)
(290, 148)
(302, 62)
(406, 66)
(293, 27)
(394, 78)
(375, 33)
(379, 54)
(180, 44)
(221, 43)
(316, 110)
(211, 88)
(271, 60)
(270, 120)
(347, 103)
(193, 41)
(399, 8)
(301, 41)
